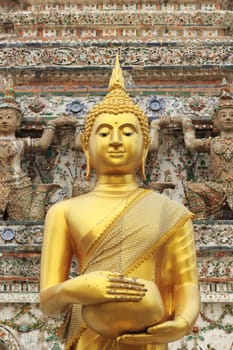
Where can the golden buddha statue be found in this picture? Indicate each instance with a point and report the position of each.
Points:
(137, 286)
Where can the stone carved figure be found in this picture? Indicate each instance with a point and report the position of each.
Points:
(208, 199)
(18, 200)
(137, 285)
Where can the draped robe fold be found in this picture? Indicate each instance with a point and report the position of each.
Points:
(145, 227)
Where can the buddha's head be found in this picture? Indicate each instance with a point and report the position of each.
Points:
(223, 113)
(118, 121)
(10, 113)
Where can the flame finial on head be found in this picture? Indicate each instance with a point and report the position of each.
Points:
(117, 79)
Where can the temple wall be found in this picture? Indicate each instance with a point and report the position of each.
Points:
(20, 243)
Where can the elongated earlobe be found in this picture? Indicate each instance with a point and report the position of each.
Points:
(87, 156)
(142, 171)
(88, 169)
(143, 163)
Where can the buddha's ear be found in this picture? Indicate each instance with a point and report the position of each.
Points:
(87, 156)
(143, 163)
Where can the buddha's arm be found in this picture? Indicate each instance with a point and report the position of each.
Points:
(58, 292)
(55, 261)
(186, 292)
(180, 256)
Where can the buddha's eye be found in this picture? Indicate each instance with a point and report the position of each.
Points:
(127, 132)
(104, 132)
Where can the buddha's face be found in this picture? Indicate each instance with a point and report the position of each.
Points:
(116, 144)
(224, 120)
(8, 121)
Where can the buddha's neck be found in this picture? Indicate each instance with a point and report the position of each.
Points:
(118, 184)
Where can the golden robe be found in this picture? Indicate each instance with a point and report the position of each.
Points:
(150, 237)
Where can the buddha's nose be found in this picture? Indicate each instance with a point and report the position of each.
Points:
(116, 138)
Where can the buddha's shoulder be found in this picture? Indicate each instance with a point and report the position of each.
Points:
(165, 201)
(70, 203)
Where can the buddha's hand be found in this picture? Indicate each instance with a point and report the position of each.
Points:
(104, 286)
(162, 333)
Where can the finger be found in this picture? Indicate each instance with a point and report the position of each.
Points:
(127, 292)
(115, 275)
(124, 298)
(135, 339)
(122, 279)
(123, 285)
(161, 328)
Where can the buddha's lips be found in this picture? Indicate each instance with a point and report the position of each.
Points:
(116, 154)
